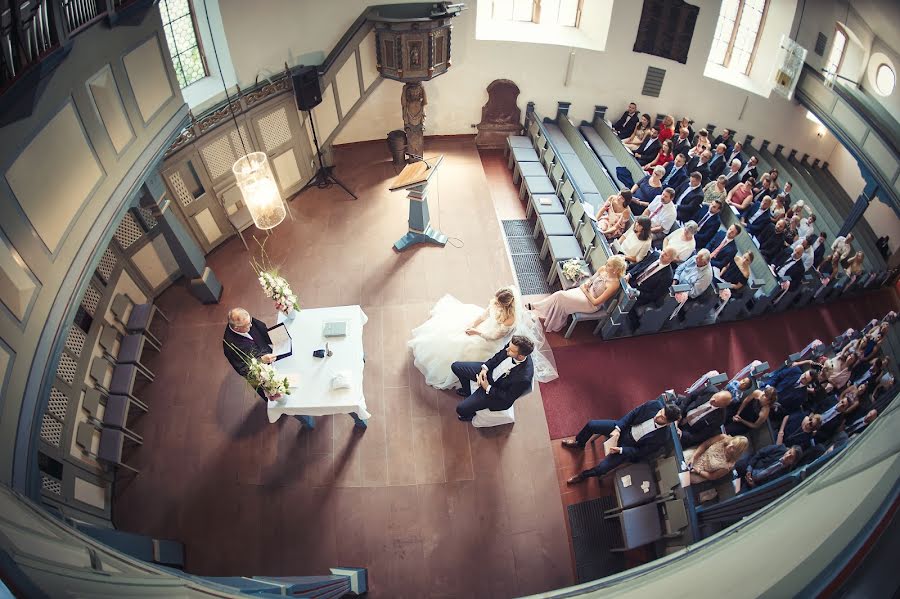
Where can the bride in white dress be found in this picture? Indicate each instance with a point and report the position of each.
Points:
(465, 332)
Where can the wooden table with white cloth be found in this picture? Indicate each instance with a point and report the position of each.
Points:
(311, 378)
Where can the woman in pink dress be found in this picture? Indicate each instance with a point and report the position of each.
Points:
(587, 297)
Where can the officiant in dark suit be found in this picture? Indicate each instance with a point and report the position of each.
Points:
(501, 380)
(246, 336)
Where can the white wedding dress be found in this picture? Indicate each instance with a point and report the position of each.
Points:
(442, 340)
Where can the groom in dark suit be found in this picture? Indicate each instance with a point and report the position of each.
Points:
(501, 380)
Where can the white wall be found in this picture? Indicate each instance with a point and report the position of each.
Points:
(266, 35)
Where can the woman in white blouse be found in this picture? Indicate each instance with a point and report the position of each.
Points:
(635, 243)
(682, 241)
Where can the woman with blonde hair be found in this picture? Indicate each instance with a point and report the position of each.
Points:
(464, 332)
(590, 296)
(715, 190)
(640, 133)
(667, 128)
(715, 457)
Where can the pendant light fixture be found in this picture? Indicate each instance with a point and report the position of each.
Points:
(252, 171)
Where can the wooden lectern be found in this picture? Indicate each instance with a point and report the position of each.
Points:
(414, 177)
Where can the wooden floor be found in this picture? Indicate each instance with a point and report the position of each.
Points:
(431, 506)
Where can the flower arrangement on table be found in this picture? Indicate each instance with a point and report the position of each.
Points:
(573, 269)
(273, 285)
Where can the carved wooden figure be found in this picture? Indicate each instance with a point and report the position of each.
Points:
(413, 101)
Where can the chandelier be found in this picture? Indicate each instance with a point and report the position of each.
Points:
(261, 196)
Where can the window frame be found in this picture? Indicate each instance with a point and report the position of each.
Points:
(838, 29)
(536, 14)
(167, 28)
(726, 61)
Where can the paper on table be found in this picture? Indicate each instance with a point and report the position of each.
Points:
(626, 481)
(545, 201)
(293, 379)
(281, 341)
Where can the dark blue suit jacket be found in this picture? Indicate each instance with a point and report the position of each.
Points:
(760, 223)
(726, 255)
(634, 450)
(507, 389)
(716, 165)
(678, 178)
(784, 380)
(689, 206)
(709, 228)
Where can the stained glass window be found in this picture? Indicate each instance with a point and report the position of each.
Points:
(180, 26)
(737, 34)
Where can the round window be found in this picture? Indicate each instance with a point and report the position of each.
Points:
(885, 79)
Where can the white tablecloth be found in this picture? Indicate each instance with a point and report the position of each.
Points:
(313, 395)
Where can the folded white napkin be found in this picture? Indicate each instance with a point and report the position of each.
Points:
(342, 379)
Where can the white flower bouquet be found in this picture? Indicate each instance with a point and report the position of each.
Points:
(274, 286)
(573, 269)
(264, 376)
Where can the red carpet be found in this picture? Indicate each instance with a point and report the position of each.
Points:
(608, 378)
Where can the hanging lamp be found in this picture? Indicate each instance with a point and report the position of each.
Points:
(252, 171)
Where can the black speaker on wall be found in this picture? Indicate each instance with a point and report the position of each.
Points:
(306, 88)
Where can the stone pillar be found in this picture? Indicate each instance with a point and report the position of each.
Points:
(203, 282)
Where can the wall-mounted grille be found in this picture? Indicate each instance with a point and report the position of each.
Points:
(147, 217)
(66, 368)
(821, 42)
(653, 82)
(220, 154)
(51, 485)
(274, 129)
(91, 299)
(58, 404)
(75, 340)
(51, 430)
(128, 231)
(107, 264)
(180, 189)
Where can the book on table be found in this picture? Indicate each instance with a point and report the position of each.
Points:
(282, 344)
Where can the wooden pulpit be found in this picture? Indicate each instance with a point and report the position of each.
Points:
(414, 178)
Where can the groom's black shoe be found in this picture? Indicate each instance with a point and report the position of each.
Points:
(462, 392)
(464, 419)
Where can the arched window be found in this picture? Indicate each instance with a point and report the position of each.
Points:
(836, 56)
(737, 34)
(545, 12)
(180, 26)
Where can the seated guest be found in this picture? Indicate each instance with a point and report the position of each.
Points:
(767, 464)
(687, 123)
(614, 216)
(715, 190)
(777, 210)
(676, 173)
(738, 271)
(787, 194)
(792, 233)
(749, 171)
(639, 134)
(843, 246)
(732, 176)
(758, 217)
(724, 138)
(688, 197)
(715, 458)
(644, 191)
(652, 277)
(500, 380)
(761, 184)
(771, 241)
(722, 247)
(835, 414)
(590, 296)
(649, 148)
(807, 257)
(703, 139)
(740, 197)
(829, 266)
(667, 128)
(798, 209)
(702, 415)
(789, 266)
(734, 153)
(246, 338)
(682, 144)
(854, 266)
(793, 386)
(856, 426)
(773, 176)
(696, 272)
(806, 225)
(739, 388)
(663, 157)
(682, 241)
(718, 163)
(753, 411)
(635, 243)
(708, 221)
(700, 164)
(627, 122)
(661, 213)
(838, 369)
(636, 435)
(818, 248)
(798, 429)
